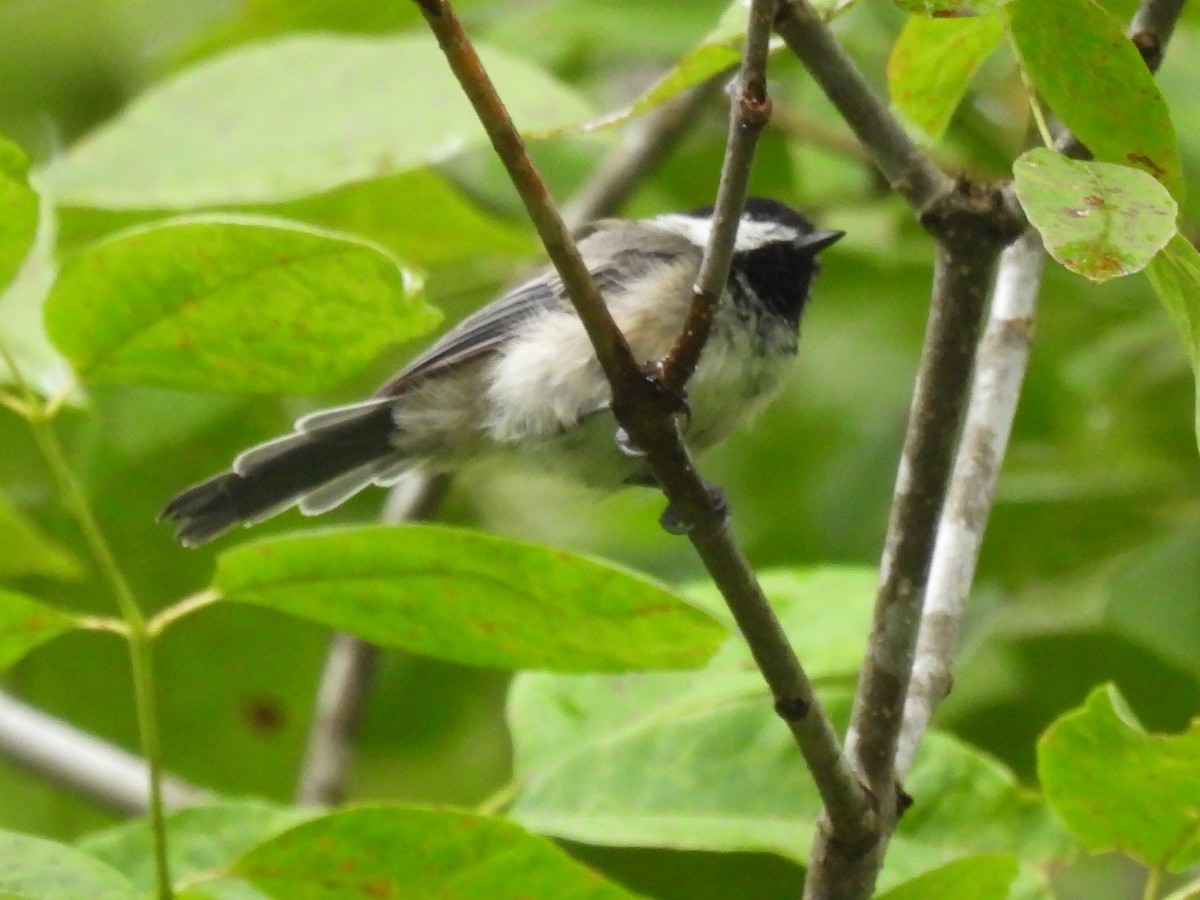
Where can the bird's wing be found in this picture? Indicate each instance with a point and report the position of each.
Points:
(479, 333)
(605, 253)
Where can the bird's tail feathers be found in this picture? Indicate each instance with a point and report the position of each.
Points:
(331, 456)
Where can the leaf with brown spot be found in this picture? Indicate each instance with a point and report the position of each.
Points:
(1095, 80)
(1100, 220)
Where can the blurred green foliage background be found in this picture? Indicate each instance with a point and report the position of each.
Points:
(1091, 567)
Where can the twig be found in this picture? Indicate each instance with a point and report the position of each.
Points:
(1000, 365)
(908, 169)
(1152, 27)
(350, 664)
(83, 763)
(350, 670)
(646, 411)
(651, 140)
(749, 114)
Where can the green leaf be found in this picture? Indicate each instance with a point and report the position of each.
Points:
(231, 303)
(826, 612)
(256, 20)
(25, 624)
(701, 761)
(281, 119)
(18, 211)
(34, 868)
(27, 551)
(417, 215)
(719, 50)
(199, 839)
(1096, 82)
(472, 598)
(932, 64)
(416, 853)
(1097, 219)
(1175, 276)
(1118, 788)
(987, 876)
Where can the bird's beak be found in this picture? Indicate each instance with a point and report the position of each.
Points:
(818, 240)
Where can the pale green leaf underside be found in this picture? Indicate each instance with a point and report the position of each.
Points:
(932, 64)
(1118, 788)
(25, 624)
(276, 120)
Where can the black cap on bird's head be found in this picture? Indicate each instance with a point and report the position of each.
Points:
(775, 255)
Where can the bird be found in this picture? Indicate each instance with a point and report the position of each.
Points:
(519, 378)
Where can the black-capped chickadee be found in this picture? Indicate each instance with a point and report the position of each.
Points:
(520, 378)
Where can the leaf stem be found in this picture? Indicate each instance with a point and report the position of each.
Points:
(185, 607)
(137, 634)
(1154, 877)
(1039, 117)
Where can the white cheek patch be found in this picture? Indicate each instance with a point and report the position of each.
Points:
(751, 233)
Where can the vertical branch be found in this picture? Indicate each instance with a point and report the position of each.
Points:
(962, 272)
(1000, 367)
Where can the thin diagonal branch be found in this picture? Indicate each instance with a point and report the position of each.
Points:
(1152, 27)
(647, 412)
(908, 169)
(749, 114)
(1000, 365)
(613, 352)
(347, 677)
